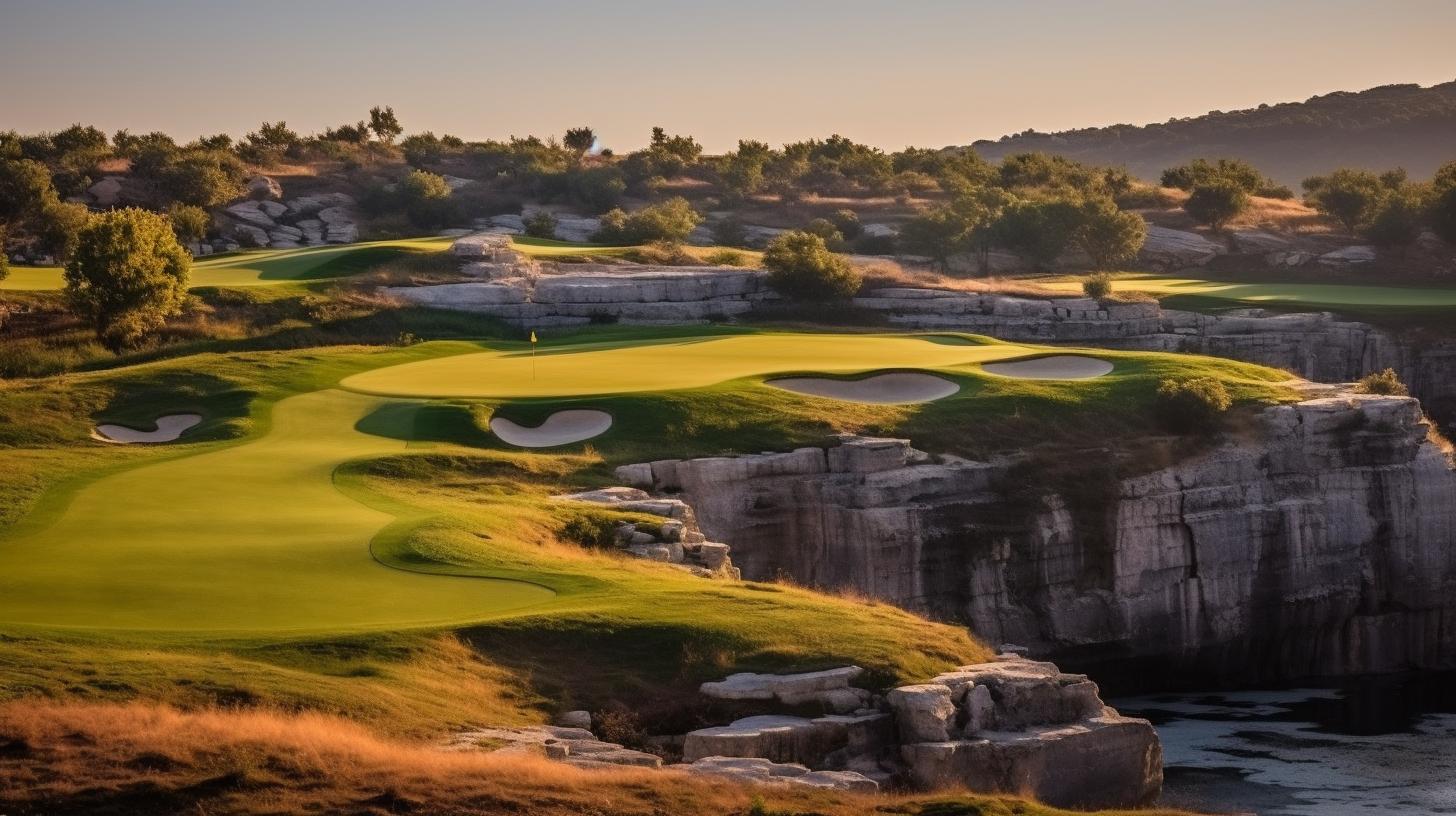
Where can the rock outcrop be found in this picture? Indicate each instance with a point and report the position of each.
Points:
(1319, 543)
(531, 295)
(678, 540)
(309, 220)
(1009, 726)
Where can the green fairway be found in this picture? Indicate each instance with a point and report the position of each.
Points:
(684, 363)
(1312, 295)
(261, 267)
(250, 538)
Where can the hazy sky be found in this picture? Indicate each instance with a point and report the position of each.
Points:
(892, 72)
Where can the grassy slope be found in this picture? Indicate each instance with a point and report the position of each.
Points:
(260, 267)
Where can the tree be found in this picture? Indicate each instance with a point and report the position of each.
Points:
(127, 275)
(579, 140)
(60, 225)
(385, 124)
(357, 133)
(1108, 235)
(1443, 202)
(188, 222)
(1348, 196)
(801, 266)
(1038, 230)
(937, 234)
(1216, 203)
(25, 190)
(1398, 219)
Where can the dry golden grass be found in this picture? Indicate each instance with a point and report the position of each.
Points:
(888, 274)
(58, 758)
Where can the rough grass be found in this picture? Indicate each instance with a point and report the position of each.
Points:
(122, 759)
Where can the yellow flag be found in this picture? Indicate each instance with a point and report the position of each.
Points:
(533, 338)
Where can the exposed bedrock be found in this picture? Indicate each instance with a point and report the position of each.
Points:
(1323, 542)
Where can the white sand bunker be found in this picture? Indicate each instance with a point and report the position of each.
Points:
(561, 428)
(169, 428)
(1056, 367)
(886, 389)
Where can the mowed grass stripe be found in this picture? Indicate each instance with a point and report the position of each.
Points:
(251, 538)
(665, 365)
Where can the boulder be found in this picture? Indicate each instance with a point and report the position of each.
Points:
(1258, 242)
(250, 213)
(760, 771)
(575, 719)
(461, 296)
(879, 231)
(924, 713)
(786, 688)
(106, 192)
(250, 235)
(1106, 761)
(1176, 249)
(1349, 256)
(264, 187)
(770, 736)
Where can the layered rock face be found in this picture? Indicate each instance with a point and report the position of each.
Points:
(532, 295)
(1322, 543)
(1315, 346)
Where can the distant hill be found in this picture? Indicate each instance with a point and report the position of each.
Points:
(1393, 125)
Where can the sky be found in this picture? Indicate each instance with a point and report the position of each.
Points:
(890, 73)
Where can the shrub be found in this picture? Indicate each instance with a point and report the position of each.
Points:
(127, 275)
(541, 224)
(660, 253)
(672, 220)
(728, 257)
(730, 232)
(1216, 203)
(801, 266)
(189, 222)
(1097, 285)
(824, 228)
(427, 199)
(847, 222)
(1385, 382)
(1193, 405)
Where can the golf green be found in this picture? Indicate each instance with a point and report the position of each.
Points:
(249, 538)
(1313, 295)
(615, 368)
(260, 267)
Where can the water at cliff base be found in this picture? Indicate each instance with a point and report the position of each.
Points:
(1373, 746)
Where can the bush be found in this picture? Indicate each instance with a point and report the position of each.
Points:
(1097, 285)
(801, 266)
(847, 222)
(1385, 382)
(672, 220)
(1194, 405)
(427, 199)
(660, 253)
(127, 275)
(541, 224)
(728, 257)
(730, 232)
(189, 222)
(1216, 203)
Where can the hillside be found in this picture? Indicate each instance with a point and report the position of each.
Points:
(1404, 125)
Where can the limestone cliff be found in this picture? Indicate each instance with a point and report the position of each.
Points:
(1322, 543)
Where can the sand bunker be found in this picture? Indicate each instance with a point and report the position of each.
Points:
(168, 429)
(900, 387)
(561, 428)
(1057, 367)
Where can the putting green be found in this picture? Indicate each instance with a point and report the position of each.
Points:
(615, 368)
(261, 267)
(250, 538)
(1311, 294)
